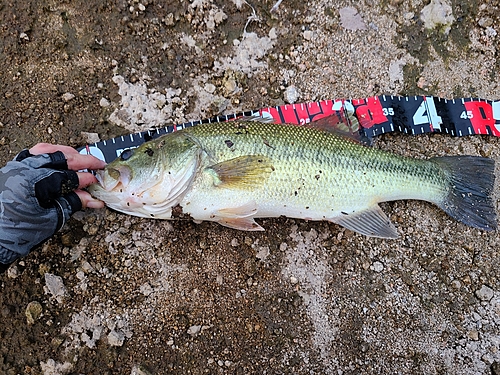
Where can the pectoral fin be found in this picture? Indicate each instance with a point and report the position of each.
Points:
(240, 217)
(244, 172)
(371, 222)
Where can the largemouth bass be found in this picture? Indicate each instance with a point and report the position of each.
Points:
(234, 172)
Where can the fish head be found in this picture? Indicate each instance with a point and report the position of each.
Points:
(149, 180)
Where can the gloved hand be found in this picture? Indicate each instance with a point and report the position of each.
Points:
(39, 190)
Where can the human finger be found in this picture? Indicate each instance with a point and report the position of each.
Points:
(46, 148)
(74, 159)
(78, 162)
(88, 201)
(85, 179)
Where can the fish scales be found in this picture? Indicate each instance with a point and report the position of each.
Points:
(317, 173)
(235, 172)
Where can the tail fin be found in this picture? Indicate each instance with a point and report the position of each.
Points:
(471, 186)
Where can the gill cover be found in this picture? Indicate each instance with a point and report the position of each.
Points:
(151, 179)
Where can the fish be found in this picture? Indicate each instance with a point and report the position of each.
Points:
(235, 172)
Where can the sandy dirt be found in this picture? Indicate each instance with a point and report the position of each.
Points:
(113, 294)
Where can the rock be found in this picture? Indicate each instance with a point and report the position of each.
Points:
(377, 266)
(54, 285)
(104, 103)
(230, 86)
(210, 88)
(194, 330)
(52, 367)
(33, 311)
(169, 20)
(12, 272)
(146, 289)
(351, 20)
(116, 338)
(437, 14)
(140, 370)
(473, 335)
(90, 137)
(67, 96)
(262, 253)
(485, 22)
(485, 293)
(292, 94)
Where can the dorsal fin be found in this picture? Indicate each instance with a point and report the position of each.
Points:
(338, 124)
(342, 123)
(265, 117)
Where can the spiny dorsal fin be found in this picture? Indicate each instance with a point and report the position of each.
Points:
(338, 124)
(371, 222)
(243, 172)
(265, 117)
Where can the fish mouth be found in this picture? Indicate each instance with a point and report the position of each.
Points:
(110, 178)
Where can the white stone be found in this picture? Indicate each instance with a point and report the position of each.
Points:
(377, 266)
(116, 338)
(68, 96)
(292, 94)
(485, 293)
(437, 13)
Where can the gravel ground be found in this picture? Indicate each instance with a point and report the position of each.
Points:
(113, 294)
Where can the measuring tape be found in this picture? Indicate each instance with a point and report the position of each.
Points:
(369, 117)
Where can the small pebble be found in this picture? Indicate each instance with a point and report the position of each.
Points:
(473, 335)
(33, 311)
(210, 88)
(230, 86)
(116, 338)
(68, 96)
(307, 35)
(485, 22)
(54, 285)
(485, 293)
(194, 330)
(90, 137)
(292, 94)
(377, 266)
(104, 102)
(12, 272)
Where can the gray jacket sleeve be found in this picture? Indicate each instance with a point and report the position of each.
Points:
(36, 199)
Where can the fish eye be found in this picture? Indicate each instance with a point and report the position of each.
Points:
(126, 154)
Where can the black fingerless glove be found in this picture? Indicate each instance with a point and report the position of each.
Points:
(36, 199)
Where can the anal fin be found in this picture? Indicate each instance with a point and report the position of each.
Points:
(241, 223)
(371, 222)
